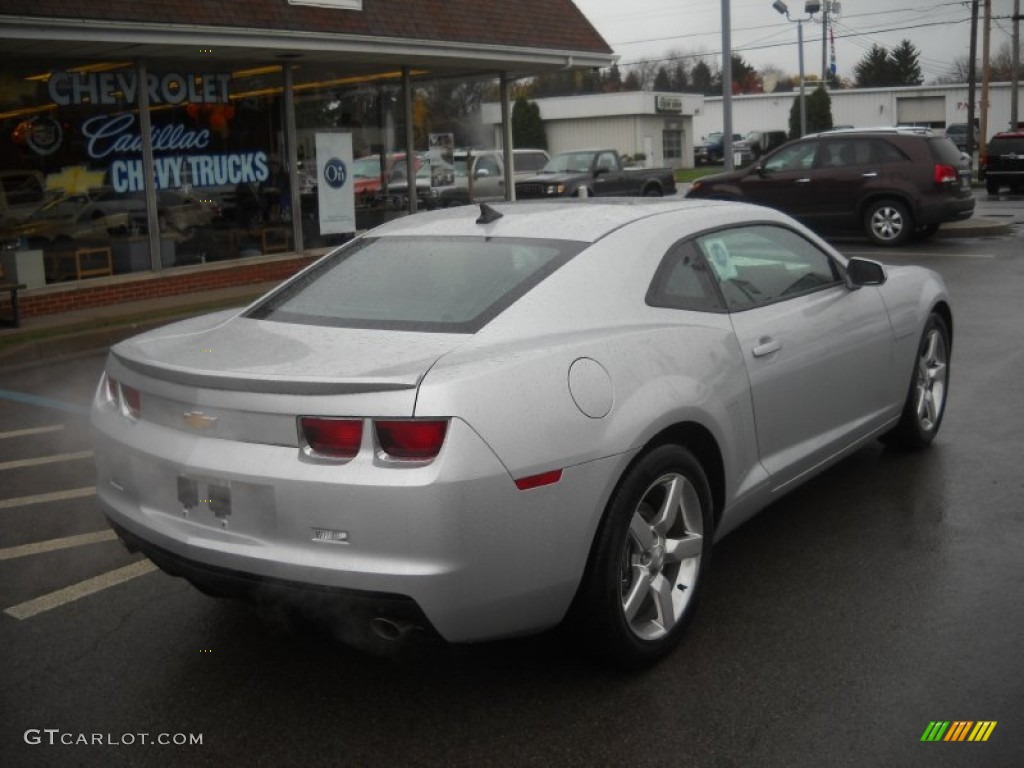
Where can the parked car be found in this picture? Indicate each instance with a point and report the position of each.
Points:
(758, 143)
(178, 213)
(711, 149)
(595, 173)
(957, 133)
(485, 170)
(1002, 165)
(369, 174)
(65, 218)
(480, 422)
(893, 184)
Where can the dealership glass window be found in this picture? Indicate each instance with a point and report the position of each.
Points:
(370, 109)
(672, 144)
(73, 130)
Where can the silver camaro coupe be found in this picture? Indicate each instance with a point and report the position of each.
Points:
(477, 423)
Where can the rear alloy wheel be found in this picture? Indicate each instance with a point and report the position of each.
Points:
(926, 400)
(649, 559)
(888, 223)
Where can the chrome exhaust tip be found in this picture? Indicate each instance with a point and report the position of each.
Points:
(391, 629)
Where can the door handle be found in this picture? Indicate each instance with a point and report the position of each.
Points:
(766, 346)
(802, 181)
(872, 175)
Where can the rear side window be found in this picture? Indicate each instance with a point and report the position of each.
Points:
(684, 282)
(429, 284)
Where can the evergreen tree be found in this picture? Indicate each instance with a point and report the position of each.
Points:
(819, 113)
(906, 68)
(875, 70)
(680, 79)
(662, 80)
(527, 126)
(701, 78)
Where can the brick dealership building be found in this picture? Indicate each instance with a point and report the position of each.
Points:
(151, 148)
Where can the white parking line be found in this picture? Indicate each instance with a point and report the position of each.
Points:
(85, 588)
(40, 460)
(31, 431)
(53, 545)
(42, 498)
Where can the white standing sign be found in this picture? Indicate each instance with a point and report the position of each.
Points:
(334, 183)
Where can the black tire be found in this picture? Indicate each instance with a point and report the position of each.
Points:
(888, 223)
(649, 560)
(652, 191)
(929, 386)
(992, 186)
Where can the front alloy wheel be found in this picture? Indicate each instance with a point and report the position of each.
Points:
(926, 400)
(888, 222)
(649, 559)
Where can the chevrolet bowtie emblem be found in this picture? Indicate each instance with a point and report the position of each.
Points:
(199, 421)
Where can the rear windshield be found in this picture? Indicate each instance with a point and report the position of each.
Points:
(431, 284)
(944, 150)
(1004, 145)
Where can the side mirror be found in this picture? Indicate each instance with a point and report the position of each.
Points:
(599, 171)
(861, 272)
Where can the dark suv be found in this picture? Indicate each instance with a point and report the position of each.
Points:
(1002, 165)
(892, 183)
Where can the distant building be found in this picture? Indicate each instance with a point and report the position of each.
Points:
(658, 126)
(934, 106)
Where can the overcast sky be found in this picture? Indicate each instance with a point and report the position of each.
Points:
(639, 29)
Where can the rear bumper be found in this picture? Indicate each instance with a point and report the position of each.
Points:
(454, 543)
(954, 209)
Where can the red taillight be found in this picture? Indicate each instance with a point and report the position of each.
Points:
(411, 440)
(131, 401)
(127, 400)
(946, 174)
(332, 438)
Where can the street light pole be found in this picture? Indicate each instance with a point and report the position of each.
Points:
(810, 8)
(803, 101)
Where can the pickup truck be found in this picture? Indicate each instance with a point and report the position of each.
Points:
(597, 171)
(711, 149)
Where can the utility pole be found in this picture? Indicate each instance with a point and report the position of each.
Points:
(986, 68)
(727, 158)
(1015, 77)
(972, 78)
(824, 43)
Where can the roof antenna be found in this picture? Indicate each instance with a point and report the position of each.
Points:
(487, 214)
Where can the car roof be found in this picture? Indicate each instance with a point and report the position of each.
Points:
(590, 221)
(886, 129)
